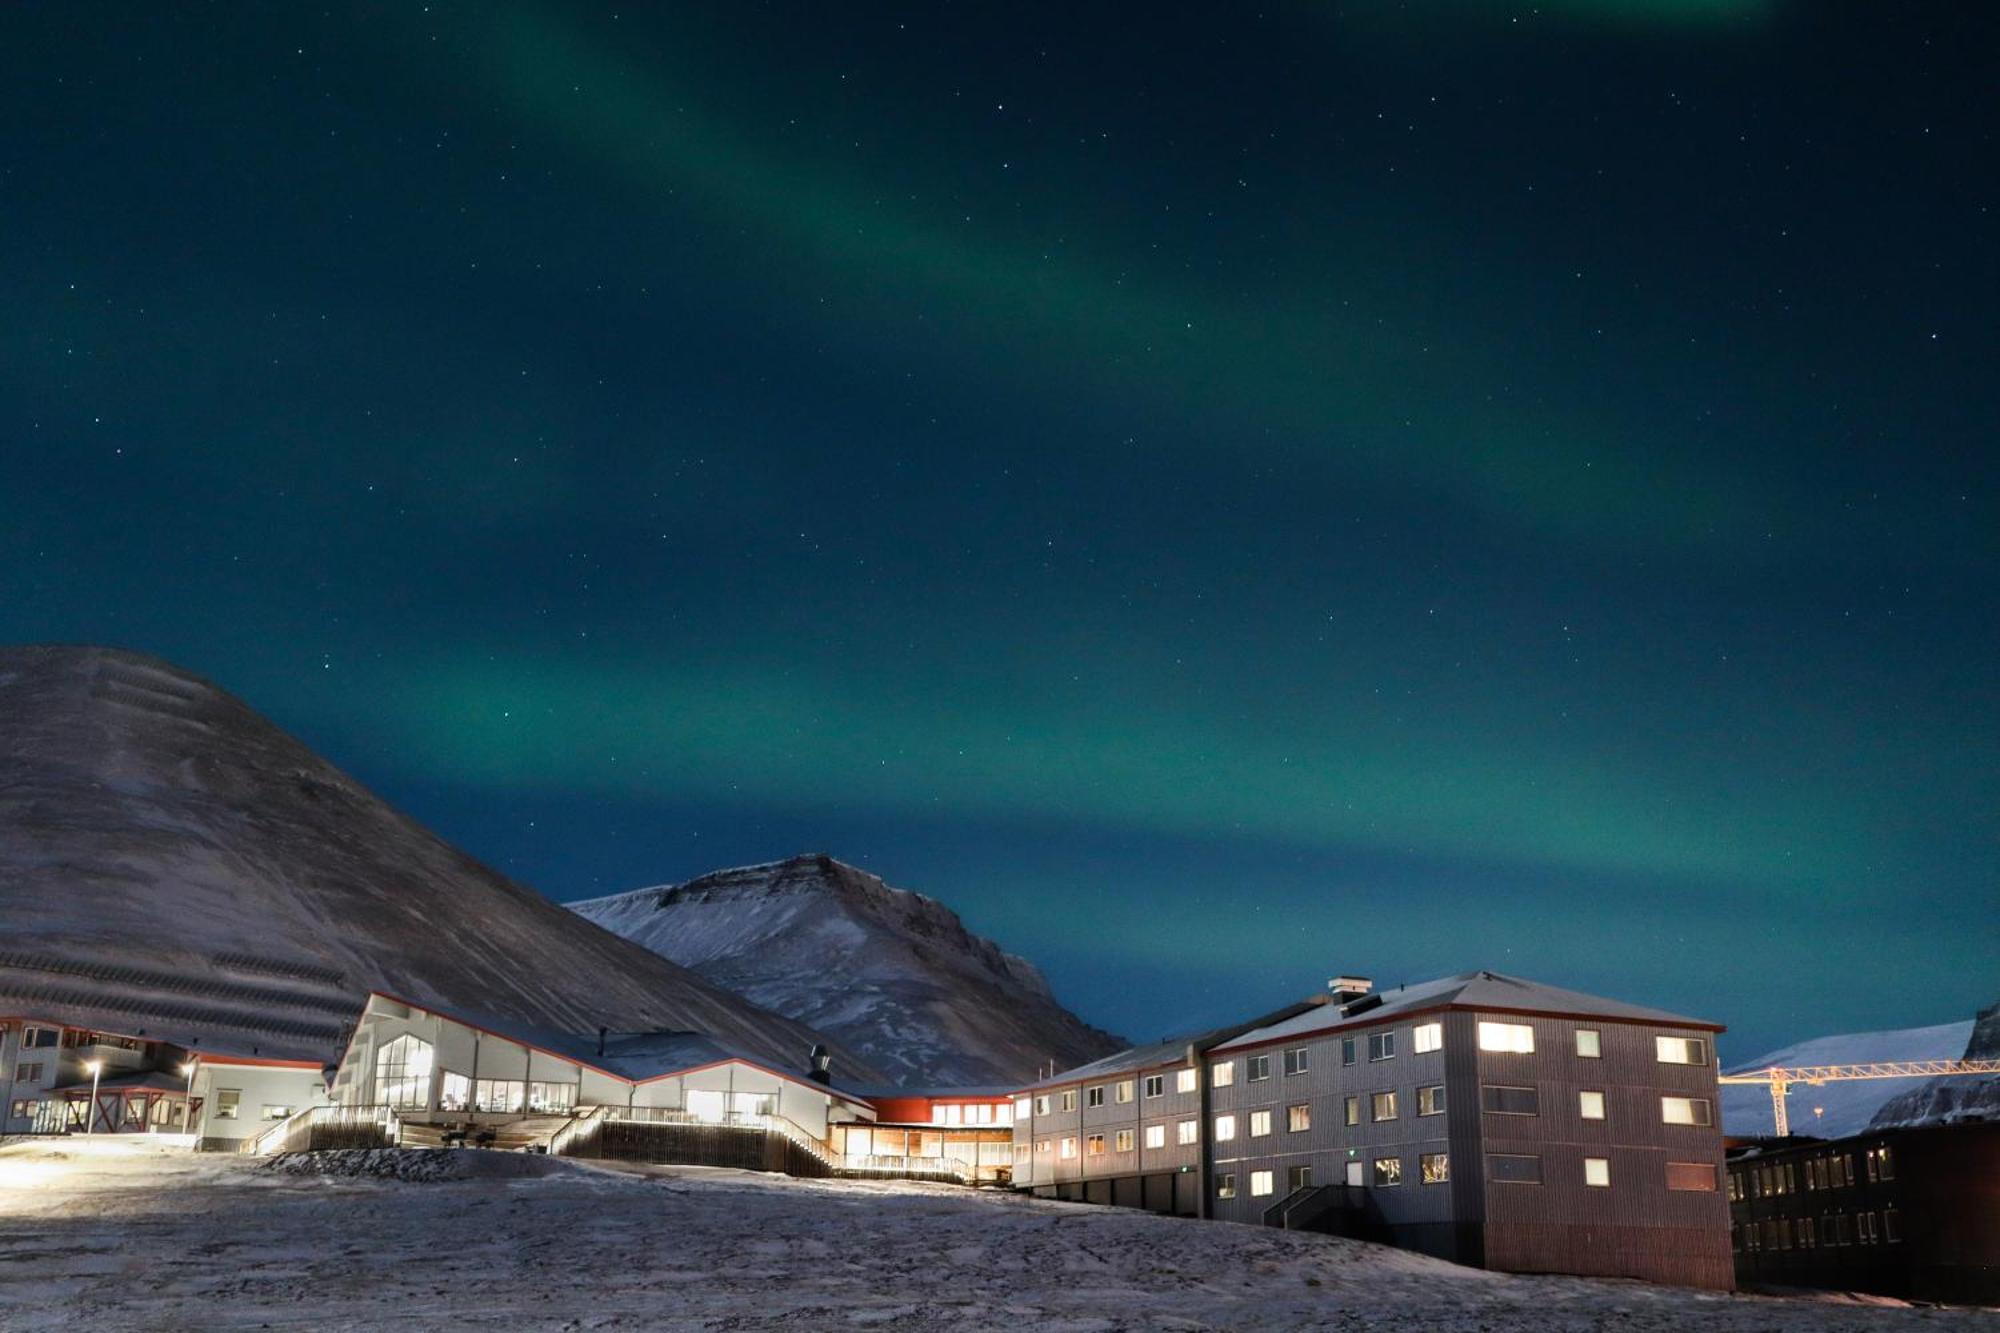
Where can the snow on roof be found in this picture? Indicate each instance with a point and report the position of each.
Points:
(1487, 991)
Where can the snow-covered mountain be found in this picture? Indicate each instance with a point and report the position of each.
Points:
(1842, 1108)
(175, 866)
(1959, 1097)
(894, 974)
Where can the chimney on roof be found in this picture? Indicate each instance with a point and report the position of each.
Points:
(602, 1033)
(822, 1065)
(1346, 990)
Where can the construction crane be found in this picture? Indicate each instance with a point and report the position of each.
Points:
(1780, 1080)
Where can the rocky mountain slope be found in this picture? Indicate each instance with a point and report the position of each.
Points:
(173, 865)
(1845, 1108)
(1960, 1097)
(894, 974)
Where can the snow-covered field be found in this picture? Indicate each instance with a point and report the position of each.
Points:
(112, 1234)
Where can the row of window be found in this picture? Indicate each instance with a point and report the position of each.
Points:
(1434, 1168)
(1185, 1132)
(1120, 1092)
(1823, 1171)
(1827, 1231)
(403, 1070)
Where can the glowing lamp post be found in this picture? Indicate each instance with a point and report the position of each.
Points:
(95, 1067)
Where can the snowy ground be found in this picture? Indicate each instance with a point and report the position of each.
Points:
(110, 1234)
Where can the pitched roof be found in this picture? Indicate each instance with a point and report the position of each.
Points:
(1490, 992)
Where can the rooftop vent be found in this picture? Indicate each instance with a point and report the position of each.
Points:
(822, 1065)
(1346, 989)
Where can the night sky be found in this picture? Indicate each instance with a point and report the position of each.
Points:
(1218, 497)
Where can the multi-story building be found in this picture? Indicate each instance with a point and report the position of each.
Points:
(1913, 1213)
(1479, 1117)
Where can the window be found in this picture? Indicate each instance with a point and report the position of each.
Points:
(1518, 1038)
(1092, 1096)
(1066, 1149)
(1042, 1105)
(1295, 1061)
(1382, 1107)
(228, 1103)
(1587, 1044)
(1892, 1226)
(454, 1092)
(1221, 1075)
(1881, 1166)
(1298, 1178)
(1685, 1111)
(1122, 1141)
(1122, 1093)
(1156, 1136)
(1260, 1124)
(1597, 1172)
(276, 1112)
(1381, 1046)
(1225, 1128)
(1185, 1080)
(1590, 1104)
(1513, 1169)
(1347, 1050)
(1298, 1118)
(1680, 1050)
(506, 1094)
(1426, 1037)
(35, 1039)
(1495, 1099)
(1022, 1107)
(1187, 1131)
(1388, 1172)
(1260, 1184)
(1155, 1085)
(1435, 1168)
(29, 1073)
(551, 1098)
(1225, 1186)
(1044, 1145)
(1430, 1100)
(1093, 1145)
(1690, 1176)
(1258, 1067)
(1353, 1110)
(1069, 1099)
(1355, 1172)
(403, 1074)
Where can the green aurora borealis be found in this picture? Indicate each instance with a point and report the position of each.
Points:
(1218, 499)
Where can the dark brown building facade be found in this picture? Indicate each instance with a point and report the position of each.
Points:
(1913, 1213)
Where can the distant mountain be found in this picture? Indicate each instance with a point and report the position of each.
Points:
(1844, 1108)
(1959, 1097)
(894, 974)
(173, 865)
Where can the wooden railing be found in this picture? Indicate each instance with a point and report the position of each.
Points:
(297, 1131)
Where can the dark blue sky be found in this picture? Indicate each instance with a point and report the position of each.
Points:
(1219, 498)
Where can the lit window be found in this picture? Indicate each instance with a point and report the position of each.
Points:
(1093, 1096)
(1690, 1176)
(276, 1112)
(1220, 1075)
(1518, 1038)
(1685, 1111)
(1513, 1169)
(1156, 1136)
(1382, 1106)
(1680, 1050)
(1590, 1105)
(1185, 1080)
(1225, 1128)
(1353, 1108)
(1296, 1060)
(1587, 1044)
(454, 1092)
(403, 1074)
(1260, 1183)
(1347, 1050)
(1257, 1067)
(1123, 1092)
(1298, 1119)
(1225, 1186)
(1355, 1171)
(1298, 1177)
(551, 1098)
(1069, 1099)
(1094, 1145)
(1067, 1149)
(1260, 1124)
(1388, 1172)
(1044, 1145)
(1381, 1046)
(1430, 1100)
(500, 1094)
(1597, 1171)
(1435, 1168)
(1022, 1107)
(1156, 1085)
(1122, 1141)
(1427, 1037)
(946, 1113)
(1188, 1131)
(1497, 1100)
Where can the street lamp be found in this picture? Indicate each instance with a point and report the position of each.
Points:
(90, 1116)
